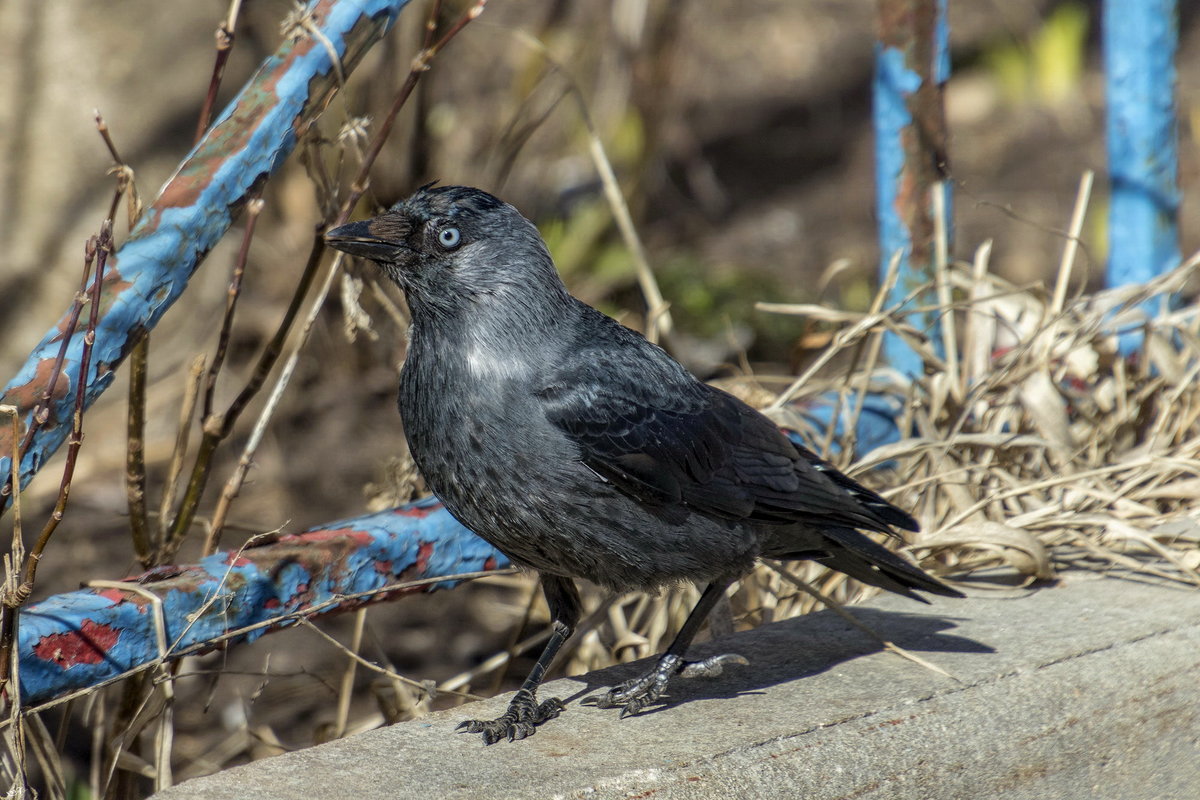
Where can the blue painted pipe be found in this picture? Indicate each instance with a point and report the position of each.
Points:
(903, 193)
(1140, 41)
(82, 639)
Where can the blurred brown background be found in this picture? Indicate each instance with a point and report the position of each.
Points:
(741, 135)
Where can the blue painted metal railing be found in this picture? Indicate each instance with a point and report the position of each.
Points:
(89, 637)
(1140, 42)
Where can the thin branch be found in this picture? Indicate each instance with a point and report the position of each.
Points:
(191, 392)
(135, 454)
(253, 209)
(135, 420)
(98, 249)
(103, 247)
(234, 484)
(420, 65)
(225, 37)
(215, 433)
(41, 412)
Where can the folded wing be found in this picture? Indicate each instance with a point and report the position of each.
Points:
(657, 434)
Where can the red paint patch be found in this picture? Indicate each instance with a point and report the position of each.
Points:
(87, 645)
(234, 560)
(489, 563)
(384, 567)
(272, 603)
(423, 554)
(417, 512)
(358, 537)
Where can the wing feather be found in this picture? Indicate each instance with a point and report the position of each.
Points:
(657, 434)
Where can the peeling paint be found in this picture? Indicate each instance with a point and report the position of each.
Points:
(249, 139)
(101, 633)
(88, 645)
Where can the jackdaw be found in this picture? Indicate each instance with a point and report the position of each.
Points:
(581, 450)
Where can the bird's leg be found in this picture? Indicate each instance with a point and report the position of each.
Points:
(525, 713)
(635, 694)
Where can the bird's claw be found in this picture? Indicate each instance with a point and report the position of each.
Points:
(523, 716)
(635, 694)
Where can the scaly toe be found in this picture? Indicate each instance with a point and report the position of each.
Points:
(521, 719)
(548, 709)
(617, 696)
(711, 667)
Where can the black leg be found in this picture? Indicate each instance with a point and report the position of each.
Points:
(634, 695)
(524, 713)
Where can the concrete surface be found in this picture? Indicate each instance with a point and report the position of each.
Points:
(1086, 690)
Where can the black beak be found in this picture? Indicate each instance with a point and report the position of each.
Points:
(357, 239)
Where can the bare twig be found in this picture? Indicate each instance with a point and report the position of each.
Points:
(98, 250)
(41, 412)
(224, 38)
(346, 689)
(135, 454)
(191, 393)
(218, 427)
(357, 659)
(253, 209)
(420, 65)
(135, 422)
(234, 484)
(103, 247)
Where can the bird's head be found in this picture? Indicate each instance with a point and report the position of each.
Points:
(455, 248)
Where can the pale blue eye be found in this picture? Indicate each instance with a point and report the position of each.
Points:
(449, 238)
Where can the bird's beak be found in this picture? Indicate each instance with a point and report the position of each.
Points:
(366, 240)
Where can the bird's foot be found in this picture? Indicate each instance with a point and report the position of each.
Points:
(523, 716)
(634, 695)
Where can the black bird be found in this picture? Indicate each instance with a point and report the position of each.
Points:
(581, 450)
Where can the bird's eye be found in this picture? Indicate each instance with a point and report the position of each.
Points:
(449, 238)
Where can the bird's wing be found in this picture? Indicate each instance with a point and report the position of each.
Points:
(656, 433)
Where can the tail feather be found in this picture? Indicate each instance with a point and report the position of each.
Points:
(866, 560)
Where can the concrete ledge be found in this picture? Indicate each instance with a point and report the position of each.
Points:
(1090, 689)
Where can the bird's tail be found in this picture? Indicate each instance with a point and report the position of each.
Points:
(862, 558)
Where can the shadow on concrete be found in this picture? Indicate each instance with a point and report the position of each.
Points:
(793, 649)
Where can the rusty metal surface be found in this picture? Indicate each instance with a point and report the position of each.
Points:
(81, 639)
